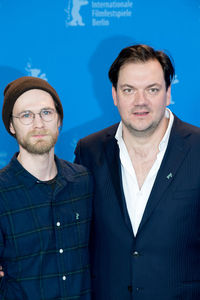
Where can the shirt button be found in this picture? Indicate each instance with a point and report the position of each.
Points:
(61, 250)
(135, 253)
(58, 224)
(64, 278)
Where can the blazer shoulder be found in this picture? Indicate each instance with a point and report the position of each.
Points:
(186, 128)
(188, 133)
(99, 136)
(89, 149)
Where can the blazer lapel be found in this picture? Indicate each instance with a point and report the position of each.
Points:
(175, 154)
(112, 156)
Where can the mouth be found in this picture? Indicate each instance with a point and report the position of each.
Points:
(141, 113)
(38, 135)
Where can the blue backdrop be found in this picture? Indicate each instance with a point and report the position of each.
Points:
(72, 45)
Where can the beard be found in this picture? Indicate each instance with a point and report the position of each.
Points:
(148, 131)
(40, 146)
(145, 132)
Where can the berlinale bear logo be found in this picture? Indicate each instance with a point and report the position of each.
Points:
(74, 17)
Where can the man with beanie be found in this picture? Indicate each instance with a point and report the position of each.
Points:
(45, 202)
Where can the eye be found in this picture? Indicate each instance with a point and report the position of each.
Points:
(153, 90)
(47, 112)
(26, 115)
(127, 90)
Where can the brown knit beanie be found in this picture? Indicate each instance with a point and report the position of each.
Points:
(17, 87)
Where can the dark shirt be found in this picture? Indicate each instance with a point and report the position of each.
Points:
(44, 233)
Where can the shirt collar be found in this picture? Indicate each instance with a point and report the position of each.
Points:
(168, 114)
(28, 179)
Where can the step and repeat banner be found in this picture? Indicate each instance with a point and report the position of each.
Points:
(72, 44)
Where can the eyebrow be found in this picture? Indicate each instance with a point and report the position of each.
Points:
(153, 84)
(132, 86)
(126, 85)
(29, 110)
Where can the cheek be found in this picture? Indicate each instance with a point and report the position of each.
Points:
(121, 107)
(127, 106)
(54, 129)
(159, 104)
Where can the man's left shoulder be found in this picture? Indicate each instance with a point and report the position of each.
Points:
(191, 128)
(192, 132)
(185, 128)
(76, 176)
(73, 169)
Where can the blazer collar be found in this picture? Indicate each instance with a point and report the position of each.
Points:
(112, 156)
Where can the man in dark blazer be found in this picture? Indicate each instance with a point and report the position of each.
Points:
(146, 231)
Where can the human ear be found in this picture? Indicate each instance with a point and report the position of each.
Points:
(114, 95)
(12, 129)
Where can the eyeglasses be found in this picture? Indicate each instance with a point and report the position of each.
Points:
(27, 117)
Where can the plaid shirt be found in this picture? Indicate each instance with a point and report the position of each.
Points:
(44, 234)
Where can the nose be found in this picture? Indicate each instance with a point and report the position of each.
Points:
(37, 121)
(140, 98)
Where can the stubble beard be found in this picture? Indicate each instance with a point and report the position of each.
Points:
(146, 132)
(41, 146)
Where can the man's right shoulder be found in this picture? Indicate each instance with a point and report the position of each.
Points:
(90, 148)
(99, 136)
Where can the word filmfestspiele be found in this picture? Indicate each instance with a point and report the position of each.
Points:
(102, 11)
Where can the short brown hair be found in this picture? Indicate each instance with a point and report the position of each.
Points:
(141, 54)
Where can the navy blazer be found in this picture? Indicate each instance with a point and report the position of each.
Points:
(163, 261)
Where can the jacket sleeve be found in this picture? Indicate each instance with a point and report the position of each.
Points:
(77, 153)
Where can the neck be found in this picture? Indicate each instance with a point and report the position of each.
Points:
(43, 166)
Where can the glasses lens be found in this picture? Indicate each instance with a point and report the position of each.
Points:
(47, 114)
(26, 117)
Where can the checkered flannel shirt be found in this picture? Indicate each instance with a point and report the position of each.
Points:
(44, 234)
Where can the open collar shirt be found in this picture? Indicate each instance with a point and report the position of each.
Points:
(44, 233)
(136, 198)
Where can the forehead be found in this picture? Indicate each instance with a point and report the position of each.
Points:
(34, 99)
(141, 72)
